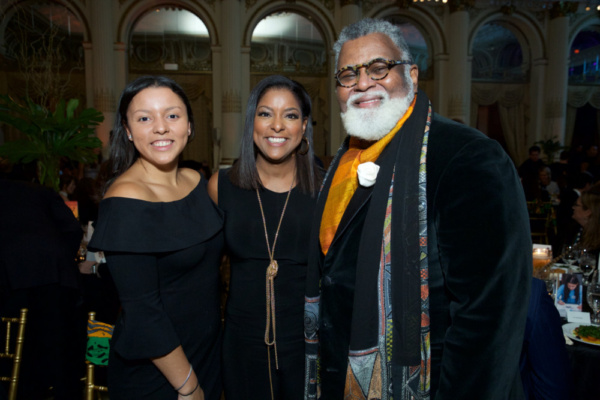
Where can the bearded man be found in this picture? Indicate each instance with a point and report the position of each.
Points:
(419, 271)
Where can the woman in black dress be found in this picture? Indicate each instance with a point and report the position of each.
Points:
(268, 197)
(162, 238)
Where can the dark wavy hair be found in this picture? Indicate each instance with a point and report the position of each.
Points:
(568, 278)
(122, 151)
(244, 173)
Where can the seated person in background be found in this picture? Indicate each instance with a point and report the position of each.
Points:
(532, 165)
(567, 227)
(560, 170)
(67, 187)
(544, 362)
(586, 212)
(570, 292)
(549, 190)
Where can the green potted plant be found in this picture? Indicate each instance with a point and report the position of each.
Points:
(550, 147)
(50, 136)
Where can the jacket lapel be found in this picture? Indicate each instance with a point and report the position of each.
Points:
(359, 200)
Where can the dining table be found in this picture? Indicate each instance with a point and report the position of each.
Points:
(584, 357)
(585, 368)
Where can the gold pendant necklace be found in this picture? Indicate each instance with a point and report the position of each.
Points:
(272, 270)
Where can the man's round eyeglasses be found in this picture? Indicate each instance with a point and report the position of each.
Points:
(376, 69)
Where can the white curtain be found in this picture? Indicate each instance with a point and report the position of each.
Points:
(577, 97)
(511, 107)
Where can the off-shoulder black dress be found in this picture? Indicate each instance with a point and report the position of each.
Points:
(164, 259)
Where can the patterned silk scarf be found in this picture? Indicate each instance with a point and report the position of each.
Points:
(345, 181)
(389, 355)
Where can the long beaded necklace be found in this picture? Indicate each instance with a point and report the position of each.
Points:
(270, 283)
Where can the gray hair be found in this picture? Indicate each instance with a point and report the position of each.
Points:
(368, 26)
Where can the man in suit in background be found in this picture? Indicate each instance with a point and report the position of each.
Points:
(39, 238)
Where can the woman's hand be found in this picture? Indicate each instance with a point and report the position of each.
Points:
(85, 267)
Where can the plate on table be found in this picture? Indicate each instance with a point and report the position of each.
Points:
(570, 327)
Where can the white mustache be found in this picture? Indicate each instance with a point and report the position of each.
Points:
(358, 96)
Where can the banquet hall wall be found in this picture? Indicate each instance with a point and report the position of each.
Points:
(539, 108)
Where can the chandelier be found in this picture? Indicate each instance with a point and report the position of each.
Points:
(539, 5)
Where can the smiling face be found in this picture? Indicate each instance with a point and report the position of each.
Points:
(363, 50)
(278, 126)
(157, 122)
(371, 108)
(571, 286)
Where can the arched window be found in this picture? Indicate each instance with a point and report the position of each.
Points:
(416, 43)
(174, 42)
(585, 57)
(497, 55)
(170, 39)
(290, 44)
(43, 53)
(287, 42)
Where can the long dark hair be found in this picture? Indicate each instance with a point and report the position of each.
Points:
(244, 173)
(571, 279)
(122, 151)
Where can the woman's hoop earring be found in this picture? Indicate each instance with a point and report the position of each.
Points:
(304, 140)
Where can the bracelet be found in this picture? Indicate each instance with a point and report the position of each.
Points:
(186, 380)
(190, 393)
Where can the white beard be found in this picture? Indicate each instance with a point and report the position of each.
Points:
(374, 123)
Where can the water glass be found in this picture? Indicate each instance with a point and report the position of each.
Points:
(587, 264)
(570, 255)
(593, 299)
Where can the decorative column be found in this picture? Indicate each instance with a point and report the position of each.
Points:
(88, 55)
(557, 71)
(231, 81)
(103, 65)
(217, 101)
(458, 76)
(537, 95)
(440, 91)
(351, 12)
(245, 72)
(121, 66)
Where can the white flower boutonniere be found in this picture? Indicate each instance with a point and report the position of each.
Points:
(367, 174)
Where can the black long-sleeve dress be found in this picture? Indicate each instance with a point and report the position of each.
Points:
(245, 363)
(164, 259)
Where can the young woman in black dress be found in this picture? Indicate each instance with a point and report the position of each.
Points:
(162, 238)
(268, 197)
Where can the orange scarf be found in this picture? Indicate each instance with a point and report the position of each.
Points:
(345, 180)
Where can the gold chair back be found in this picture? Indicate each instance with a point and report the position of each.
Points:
(542, 221)
(91, 388)
(13, 349)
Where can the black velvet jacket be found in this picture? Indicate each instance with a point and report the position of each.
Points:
(479, 271)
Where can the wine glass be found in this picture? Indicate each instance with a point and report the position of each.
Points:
(587, 264)
(550, 282)
(570, 255)
(593, 299)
